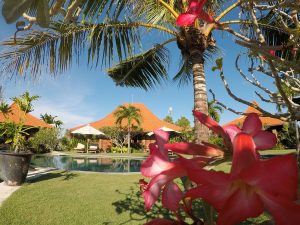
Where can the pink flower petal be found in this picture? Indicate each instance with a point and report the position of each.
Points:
(210, 123)
(284, 211)
(206, 17)
(194, 149)
(244, 203)
(202, 176)
(186, 19)
(216, 195)
(244, 153)
(171, 196)
(232, 131)
(153, 189)
(252, 124)
(155, 163)
(265, 140)
(277, 176)
(162, 137)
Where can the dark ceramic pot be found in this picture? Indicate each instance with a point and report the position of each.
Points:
(14, 167)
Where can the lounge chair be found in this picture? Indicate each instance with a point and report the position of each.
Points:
(80, 148)
(93, 148)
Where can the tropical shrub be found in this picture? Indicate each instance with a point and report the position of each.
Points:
(45, 140)
(68, 144)
(287, 136)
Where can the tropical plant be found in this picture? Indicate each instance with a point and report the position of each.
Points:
(287, 136)
(45, 140)
(69, 143)
(116, 134)
(214, 110)
(5, 109)
(117, 37)
(249, 188)
(132, 115)
(168, 119)
(15, 133)
(24, 101)
(47, 118)
(184, 123)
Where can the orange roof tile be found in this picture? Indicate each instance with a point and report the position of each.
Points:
(266, 121)
(17, 114)
(150, 121)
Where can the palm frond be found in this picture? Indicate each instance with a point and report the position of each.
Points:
(94, 9)
(185, 74)
(55, 49)
(144, 70)
(151, 11)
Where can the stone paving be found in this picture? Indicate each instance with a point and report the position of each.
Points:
(6, 191)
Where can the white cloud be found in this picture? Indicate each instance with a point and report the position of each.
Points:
(64, 110)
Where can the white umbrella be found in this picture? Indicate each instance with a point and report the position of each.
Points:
(164, 129)
(87, 130)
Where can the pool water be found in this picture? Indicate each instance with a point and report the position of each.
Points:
(94, 164)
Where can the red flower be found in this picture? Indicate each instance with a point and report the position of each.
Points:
(252, 126)
(252, 186)
(195, 10)
(162, 171)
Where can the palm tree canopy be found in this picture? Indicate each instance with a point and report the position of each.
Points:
(24, 101)
(130, 113)
(214, 111)
(105, 41)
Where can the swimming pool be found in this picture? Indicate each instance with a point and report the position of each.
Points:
(93, 164)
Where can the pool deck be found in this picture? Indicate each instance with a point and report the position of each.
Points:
(6, 191)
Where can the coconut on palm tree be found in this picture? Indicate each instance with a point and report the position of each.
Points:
(118, 38)
(132, 116)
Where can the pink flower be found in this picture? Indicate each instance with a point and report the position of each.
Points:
(162, 171)
(252, 186)
(195, 10)
(252, 126)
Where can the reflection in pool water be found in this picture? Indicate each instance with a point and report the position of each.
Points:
(114, 165)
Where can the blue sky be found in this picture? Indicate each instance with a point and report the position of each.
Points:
(83, 95)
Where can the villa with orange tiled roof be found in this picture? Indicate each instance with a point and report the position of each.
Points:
(150, 122)
(268, 122)
(17, 114)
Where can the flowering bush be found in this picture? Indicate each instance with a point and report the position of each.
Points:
(252, 186)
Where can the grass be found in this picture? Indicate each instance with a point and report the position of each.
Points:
(61, 198)
(69, 198)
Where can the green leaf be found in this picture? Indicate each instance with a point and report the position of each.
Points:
(219, 64)
(8, 141)
(13, 9)
(43, 18)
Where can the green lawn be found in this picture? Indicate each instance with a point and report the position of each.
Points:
(76, 199)
(69, 198)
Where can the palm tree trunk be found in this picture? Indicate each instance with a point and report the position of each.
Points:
(128, 141)
(200, 95)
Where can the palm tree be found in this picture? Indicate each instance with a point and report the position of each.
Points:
(24, 101)
(56, 47)
(214, 110)
(131, 114)
(47, 118)
(5, 109)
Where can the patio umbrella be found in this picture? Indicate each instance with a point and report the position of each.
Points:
(88, 130)
(165, 129)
